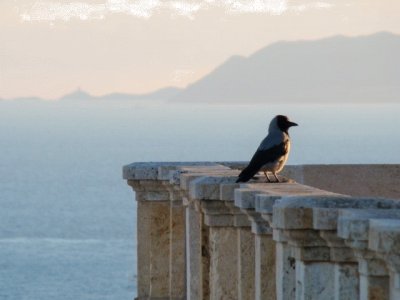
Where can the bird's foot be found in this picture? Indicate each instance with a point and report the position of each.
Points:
(267, 178)
(276, 177)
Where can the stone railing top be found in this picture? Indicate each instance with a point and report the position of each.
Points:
(317, 212)
(354, 224)
(155, 170)
(384, 235)
(258, 196)
(338, 202)
(161, 170)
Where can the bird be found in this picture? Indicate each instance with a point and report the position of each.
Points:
(273, 151)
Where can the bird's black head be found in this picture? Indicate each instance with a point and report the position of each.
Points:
(283, 123)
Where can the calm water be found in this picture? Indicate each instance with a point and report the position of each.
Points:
(67, 219)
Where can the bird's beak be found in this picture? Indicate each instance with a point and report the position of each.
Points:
(292, 124)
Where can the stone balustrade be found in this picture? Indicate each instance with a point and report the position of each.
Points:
(203, 236)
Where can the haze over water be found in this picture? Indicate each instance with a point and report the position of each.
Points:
(67, 223)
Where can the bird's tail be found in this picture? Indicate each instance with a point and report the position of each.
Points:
(245, 175)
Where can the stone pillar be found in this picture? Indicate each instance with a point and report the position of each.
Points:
(384, 240)
(353, 227)
(177, 258)
(345, 266)
(307, 231)
(245, 246)
(264, 246)
(265, 267)
(223, 253)
(246, 263)
(257, 200)
(285, 271)
(143, 246)
(346, 281)
(160, 247)
(218, 230)
(374, 279)
(309, 225)
(285, 264)
(153, 226)
(223, 263)
(196, 252)
(161, 229)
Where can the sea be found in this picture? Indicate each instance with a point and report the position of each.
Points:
(68, 219)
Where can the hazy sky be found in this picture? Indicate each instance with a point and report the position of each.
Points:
(49, 48)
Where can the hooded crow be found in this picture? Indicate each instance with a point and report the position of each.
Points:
(273, 151)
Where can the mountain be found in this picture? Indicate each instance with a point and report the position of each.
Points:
(161, 94)
(23, 99)
(78, 95)
(81, 95)
(335, 69)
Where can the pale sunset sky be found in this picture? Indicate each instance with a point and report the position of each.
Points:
(50, 48)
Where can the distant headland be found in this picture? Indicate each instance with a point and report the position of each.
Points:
(337, 69)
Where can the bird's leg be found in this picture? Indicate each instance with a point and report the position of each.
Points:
(266, 175)
(277, 179)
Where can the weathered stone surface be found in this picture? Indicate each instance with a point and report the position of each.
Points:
(239, 218)
(235, 165)
(143, 226)
(264, 203)
(298, 212)
(394, 286)
(384, 235)
(291, 218)
(355, 180)
(313, 260)
(227, 191)
(219, 220)
(374, 287)
(353, 224)
(164, 171)
(223, 263)
(156, 170)
(374, 279)
(315, 280)
(205, 260)
(213, 207)
(346, 281)
(141, 171)
(159, 249)
(372, 266)
(245, 197)
(241, 221)
(285, 272)
(194, 275)
(153, 238)
(312, 211)
(265, 279)
(279, 235)
(246, 264)
(203, 186)
(186, 178)
(177, 280)
(312, 253)
(260, 227)
(339, 251)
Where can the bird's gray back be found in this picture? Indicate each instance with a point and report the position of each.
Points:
(275, 138)
(272, 139)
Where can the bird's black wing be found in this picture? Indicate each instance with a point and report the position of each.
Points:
(260, 158)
